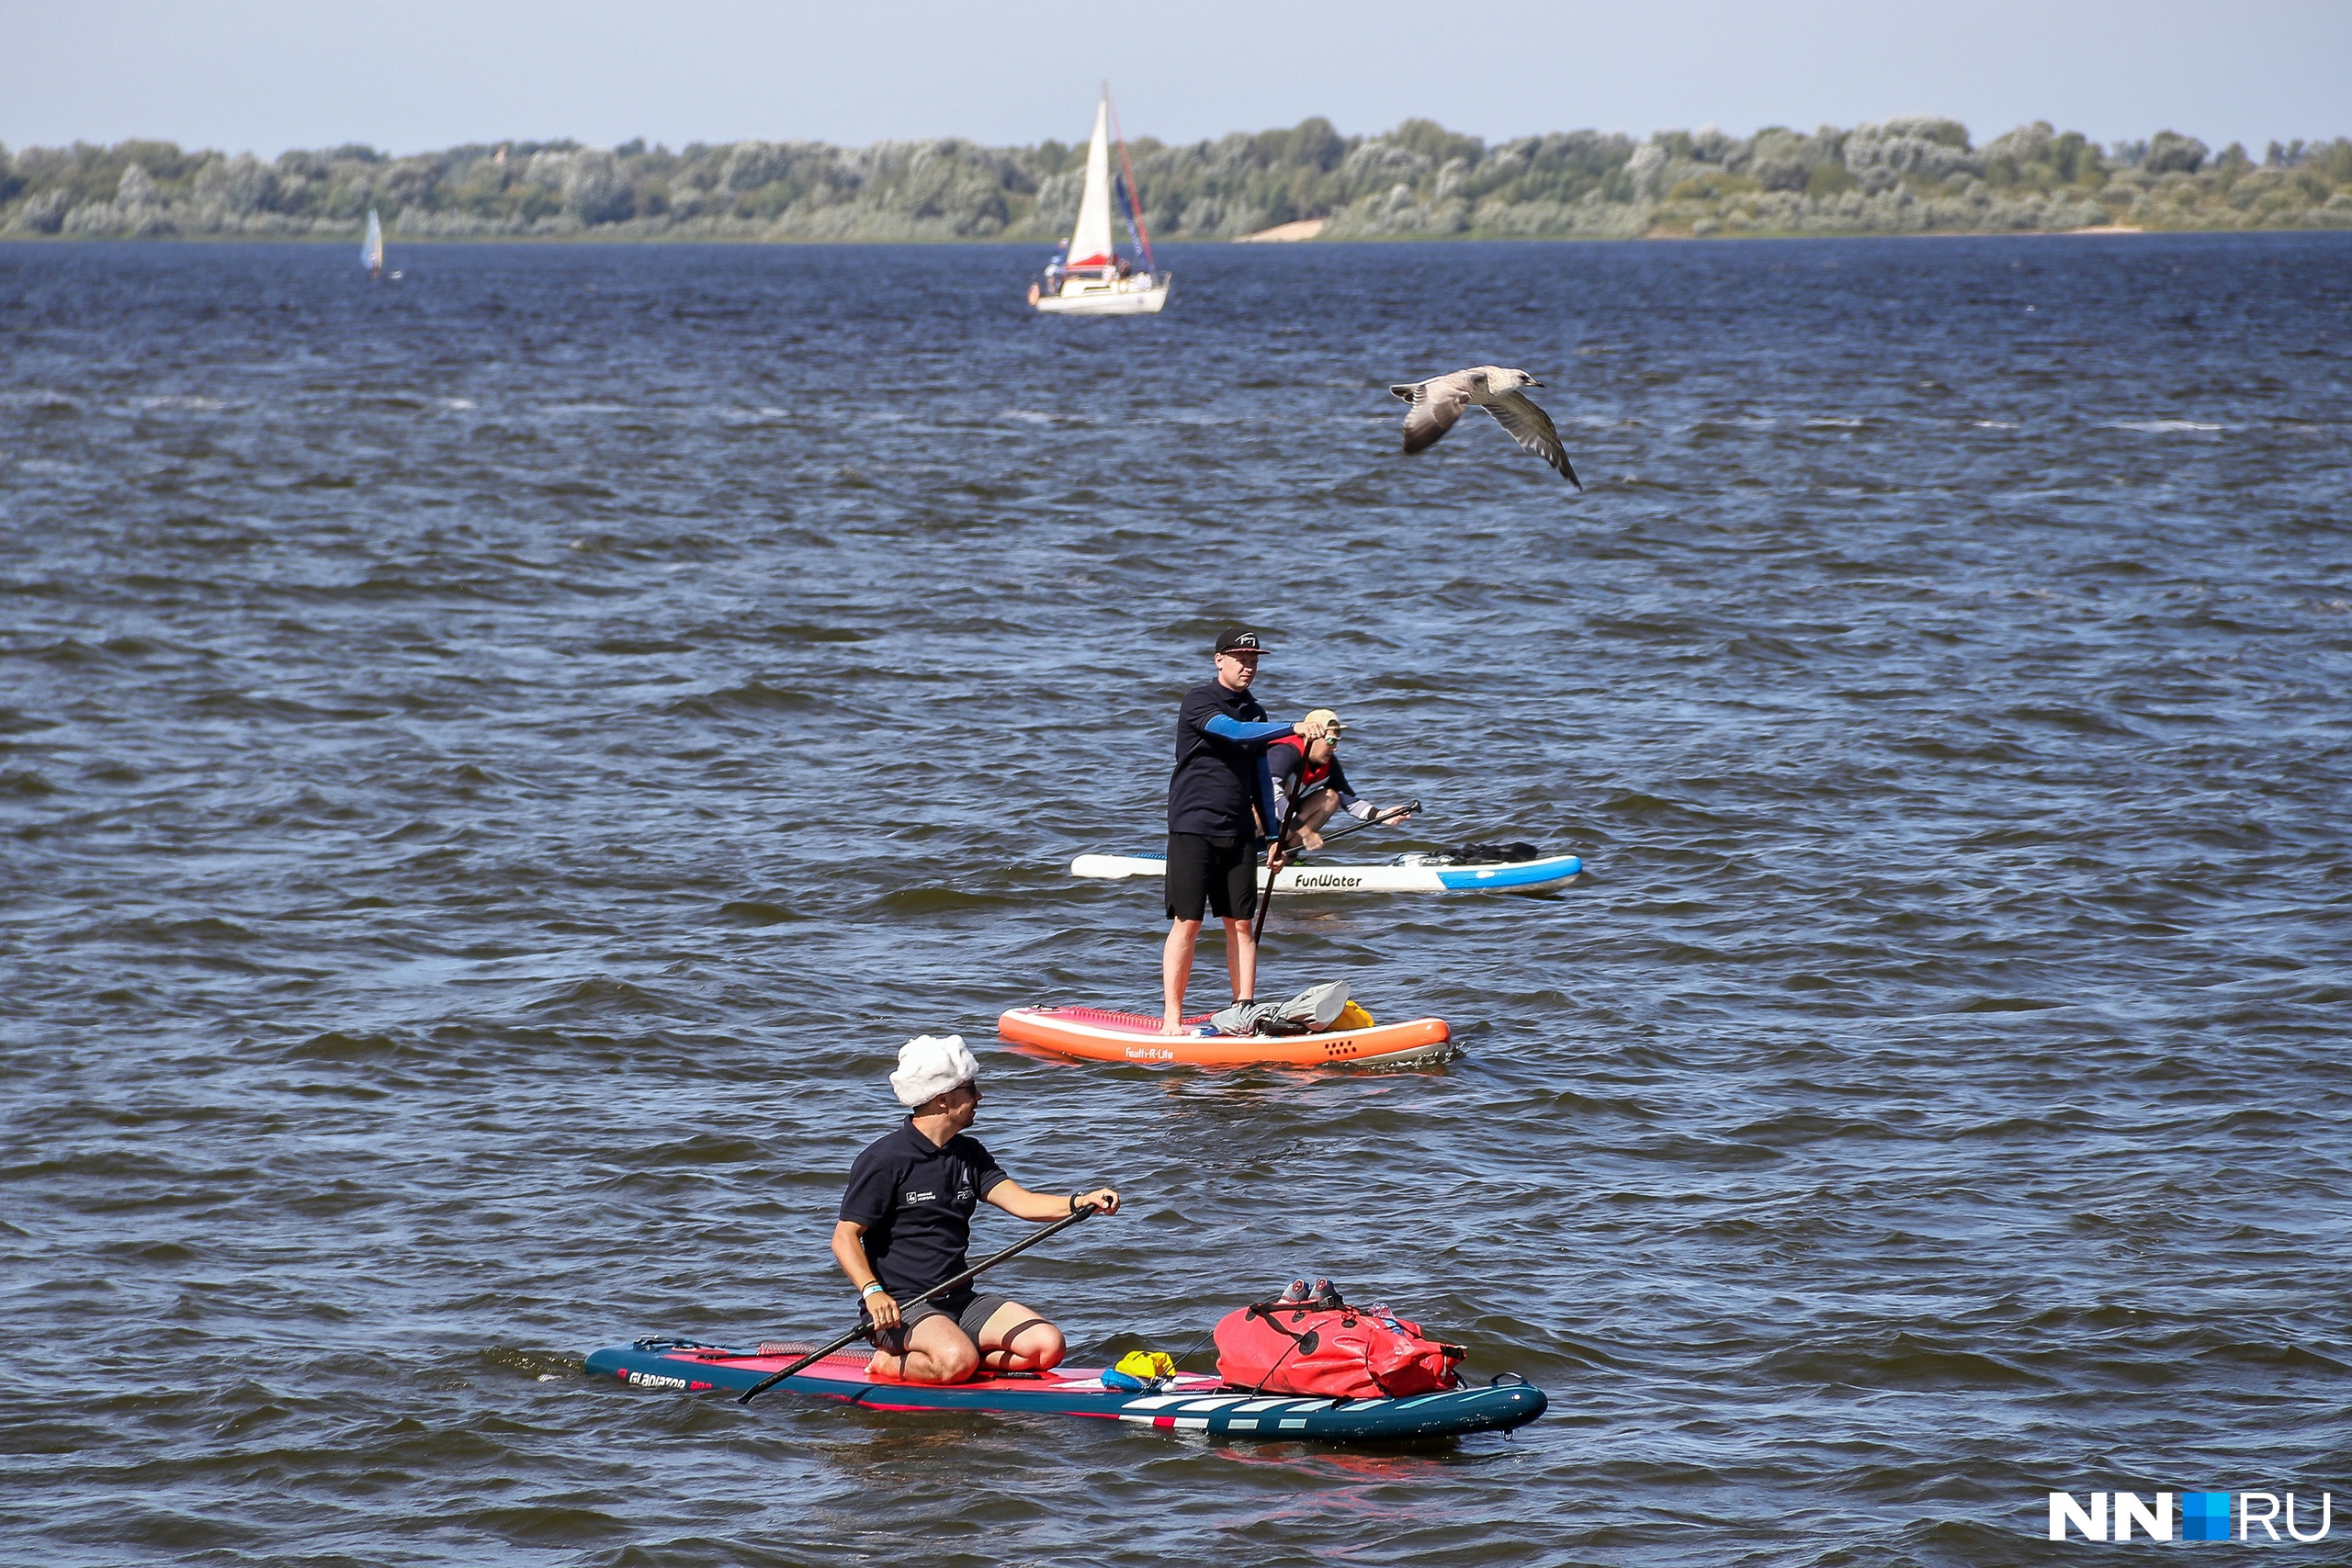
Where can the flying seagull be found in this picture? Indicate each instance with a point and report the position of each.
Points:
(1439, 402)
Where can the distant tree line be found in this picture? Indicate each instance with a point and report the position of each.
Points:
(1907, 175)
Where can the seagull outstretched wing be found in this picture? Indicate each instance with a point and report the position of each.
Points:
(1528, 425)
(1436, 405)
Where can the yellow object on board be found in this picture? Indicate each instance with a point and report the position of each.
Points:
(1352, 1016)
(1148, 1364)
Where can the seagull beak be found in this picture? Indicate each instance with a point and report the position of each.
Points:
(1534, 383)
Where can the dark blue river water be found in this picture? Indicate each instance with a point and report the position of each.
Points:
(492, 766)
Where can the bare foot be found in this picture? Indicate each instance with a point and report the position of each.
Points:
(1172, 1026)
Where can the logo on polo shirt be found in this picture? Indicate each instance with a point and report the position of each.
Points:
(923, 1196)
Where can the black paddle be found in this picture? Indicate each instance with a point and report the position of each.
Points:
(865, 1326)
(1377, 819)
(1275, 860)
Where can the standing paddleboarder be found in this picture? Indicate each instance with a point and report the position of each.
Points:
(906, 1221)
(1220, 802)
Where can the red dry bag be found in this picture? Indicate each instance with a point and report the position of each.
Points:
(1336, 1352)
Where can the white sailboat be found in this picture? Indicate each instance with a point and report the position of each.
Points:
(1090, 278)
(371, 249)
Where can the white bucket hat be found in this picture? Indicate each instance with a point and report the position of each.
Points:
(931, 1065)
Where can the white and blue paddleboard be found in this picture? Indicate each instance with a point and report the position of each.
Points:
(1404, 874)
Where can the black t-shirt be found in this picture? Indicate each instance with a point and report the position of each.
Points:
(1215, 782)
(915, 1200)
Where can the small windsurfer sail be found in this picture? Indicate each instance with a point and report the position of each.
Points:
(371, 250)
(1089, 276)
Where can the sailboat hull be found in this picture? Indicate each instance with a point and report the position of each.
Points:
(1140, 295)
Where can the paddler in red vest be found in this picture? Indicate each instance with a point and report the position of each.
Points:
(1305, 771)
(906, 1221)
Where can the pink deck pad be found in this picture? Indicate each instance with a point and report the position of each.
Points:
(852, 1368)
(1124, 1023)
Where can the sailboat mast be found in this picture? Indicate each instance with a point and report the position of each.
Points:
(1135, 195)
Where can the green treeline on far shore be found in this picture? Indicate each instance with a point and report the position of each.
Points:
(1917, 175)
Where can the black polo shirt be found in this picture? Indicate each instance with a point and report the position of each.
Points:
(915, 1200)
(1215, 782)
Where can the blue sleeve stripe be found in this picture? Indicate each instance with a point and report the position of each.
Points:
(1225, 727)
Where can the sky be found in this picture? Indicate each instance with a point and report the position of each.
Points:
(412, 76)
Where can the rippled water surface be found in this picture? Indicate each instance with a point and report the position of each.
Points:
(493, 765)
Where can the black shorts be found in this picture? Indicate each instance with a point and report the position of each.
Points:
(971, 1314)
(1221, 873)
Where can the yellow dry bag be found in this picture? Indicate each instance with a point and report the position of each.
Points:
(1148, 1365)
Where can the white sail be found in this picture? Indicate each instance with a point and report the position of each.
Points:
(1089, 242)
(371, 253)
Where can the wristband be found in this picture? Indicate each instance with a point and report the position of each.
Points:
(1073, 1203)
(871, 1287)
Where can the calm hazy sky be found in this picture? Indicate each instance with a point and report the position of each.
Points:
(406, 75)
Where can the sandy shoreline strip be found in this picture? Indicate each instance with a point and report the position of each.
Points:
(1282, 233)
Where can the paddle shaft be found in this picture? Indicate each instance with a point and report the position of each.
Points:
(1378, 820)
(864, 1328)
(1275, 860)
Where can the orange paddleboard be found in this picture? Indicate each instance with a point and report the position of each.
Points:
(1096, 1034)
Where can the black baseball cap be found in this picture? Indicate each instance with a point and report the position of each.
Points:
(1233, 639)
